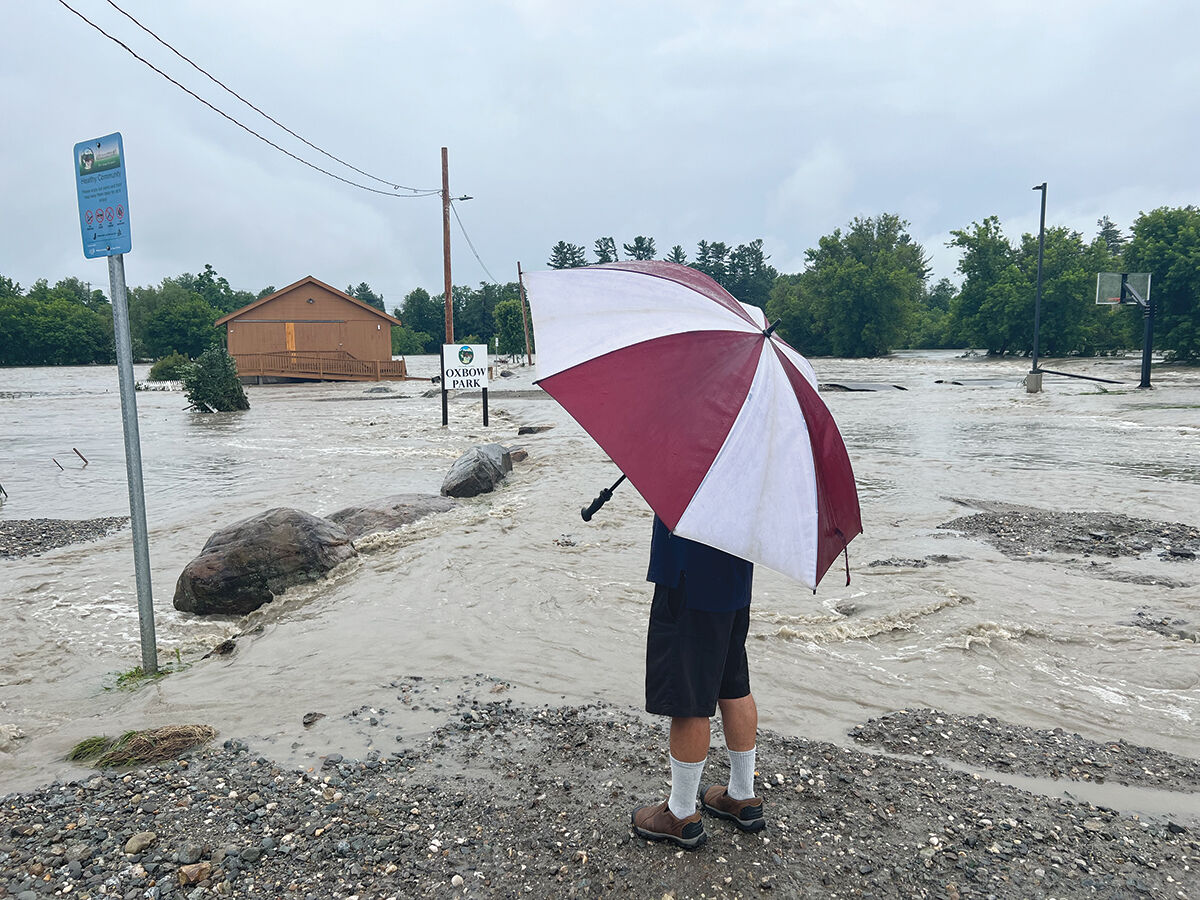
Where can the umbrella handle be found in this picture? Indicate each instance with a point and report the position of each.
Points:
(605, 495)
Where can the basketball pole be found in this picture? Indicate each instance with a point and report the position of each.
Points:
(1037, 307)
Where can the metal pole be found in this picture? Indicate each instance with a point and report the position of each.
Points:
(445, 402)
(524, 317)
(446, 248)
(133, 461)
(1037, 307)
(1147, 343)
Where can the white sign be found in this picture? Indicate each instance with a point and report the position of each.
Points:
(465, 366)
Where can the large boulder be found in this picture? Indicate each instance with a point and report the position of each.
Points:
(477, 471)
(246, 564)
(389, 513)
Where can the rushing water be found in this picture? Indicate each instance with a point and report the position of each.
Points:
(515, 585)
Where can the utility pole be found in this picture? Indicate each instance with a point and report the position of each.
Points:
(446, 248)
(1033, 382)
(524, 316)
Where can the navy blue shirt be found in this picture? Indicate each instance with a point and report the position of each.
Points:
(716, 581)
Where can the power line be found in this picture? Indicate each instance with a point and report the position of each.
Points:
(240, 125)
(469, 244)
(265, 115)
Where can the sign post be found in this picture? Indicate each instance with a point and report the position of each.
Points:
(104, 224)
(465, 367)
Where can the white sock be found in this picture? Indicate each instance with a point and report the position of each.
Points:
(741, 774)
(685, 784)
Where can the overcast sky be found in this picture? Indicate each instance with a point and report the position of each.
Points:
(570, 121)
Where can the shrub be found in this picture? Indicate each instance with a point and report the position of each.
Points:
(169, 368)
(211, 383)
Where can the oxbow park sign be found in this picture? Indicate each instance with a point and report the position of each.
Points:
(465, 368)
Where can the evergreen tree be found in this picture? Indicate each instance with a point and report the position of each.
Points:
(606, 250)
(641, 248)
(677, 255)
(567, 256)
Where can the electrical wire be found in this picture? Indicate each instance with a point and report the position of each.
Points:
(469, 244)
(240, 125)
(265, 115)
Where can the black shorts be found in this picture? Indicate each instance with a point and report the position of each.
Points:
(694, 657)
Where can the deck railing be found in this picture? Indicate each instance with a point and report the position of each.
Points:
(325, 365)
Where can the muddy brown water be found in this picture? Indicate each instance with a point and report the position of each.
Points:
(515, 585)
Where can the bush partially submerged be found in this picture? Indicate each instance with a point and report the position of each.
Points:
(169, 368)
(139, 747)
(211, 383)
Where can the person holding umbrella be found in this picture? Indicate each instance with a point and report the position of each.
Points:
(718, 424)
(695, 662)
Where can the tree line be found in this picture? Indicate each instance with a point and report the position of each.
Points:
(866, 289)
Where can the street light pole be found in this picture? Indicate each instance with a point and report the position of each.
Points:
(446, 249)
(1037, 308)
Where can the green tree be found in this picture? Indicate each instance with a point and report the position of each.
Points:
(406, 342)
(606, 250)
(422, 314)
(214, 289)
(567, 256)
(860, 287)
(641, 248)
(211, 383)
(986, 256)
(677, 255)
(184, 326)
(748, 277)
(1110, 234)
(169, 368)
(364, 294)
(713, 260)
(1166, 243)
(931, 324)
(510, 327)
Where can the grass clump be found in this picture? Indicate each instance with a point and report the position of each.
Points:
(140, 747)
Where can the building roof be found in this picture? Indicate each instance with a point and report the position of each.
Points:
(308, 279)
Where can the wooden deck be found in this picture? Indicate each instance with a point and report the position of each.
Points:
(331, 365)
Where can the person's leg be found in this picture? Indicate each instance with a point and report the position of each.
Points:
(689, 751)
(739, 716)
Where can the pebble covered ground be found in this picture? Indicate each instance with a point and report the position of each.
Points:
(988, 742)
(28, 537)
(1022, 531)
(505, 799)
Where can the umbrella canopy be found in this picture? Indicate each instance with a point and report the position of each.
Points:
(716, 421)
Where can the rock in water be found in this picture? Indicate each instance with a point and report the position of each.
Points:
(389, 513)
(477, 471)
(244, 565)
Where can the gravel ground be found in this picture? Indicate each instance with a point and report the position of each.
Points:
(986, 741)
(28, 537)
(1023, 531)
(512, 800)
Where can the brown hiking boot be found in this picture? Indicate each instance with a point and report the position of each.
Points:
(745, 814)
(658, 823)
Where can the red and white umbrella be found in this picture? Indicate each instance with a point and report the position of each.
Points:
(714, 419)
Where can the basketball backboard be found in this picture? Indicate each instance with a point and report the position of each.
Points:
(1113, 288)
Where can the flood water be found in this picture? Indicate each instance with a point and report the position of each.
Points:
(515, 585)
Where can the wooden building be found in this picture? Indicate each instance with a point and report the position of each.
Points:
(309, 330)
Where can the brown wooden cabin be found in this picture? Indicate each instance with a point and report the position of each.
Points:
(311, 331)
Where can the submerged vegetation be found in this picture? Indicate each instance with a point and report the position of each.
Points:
(140, 747)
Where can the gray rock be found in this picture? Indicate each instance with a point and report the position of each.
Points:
(389, 513)
(498, 454)
(140, 842)
(477, 471)
(244, 565)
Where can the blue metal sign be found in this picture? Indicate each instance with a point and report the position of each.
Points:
(103, 196)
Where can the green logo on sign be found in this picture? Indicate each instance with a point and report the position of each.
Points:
(465, 355)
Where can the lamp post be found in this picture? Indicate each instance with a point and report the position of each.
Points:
(1034, 382)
